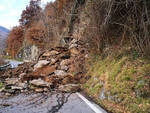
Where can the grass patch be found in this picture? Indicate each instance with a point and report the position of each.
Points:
(126, 78)
(1, 84)
(7, 57)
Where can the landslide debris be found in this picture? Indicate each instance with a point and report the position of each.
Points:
(60, 68)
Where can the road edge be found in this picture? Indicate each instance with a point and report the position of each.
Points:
(95, 108)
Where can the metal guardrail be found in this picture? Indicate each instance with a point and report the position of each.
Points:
(4, 67)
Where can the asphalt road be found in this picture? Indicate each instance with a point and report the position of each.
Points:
(13, 63)
(45, 103)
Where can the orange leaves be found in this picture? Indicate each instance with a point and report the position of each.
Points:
(15, 40)
(30, 13)
(62, 3)
(42, 28)
(35, 35)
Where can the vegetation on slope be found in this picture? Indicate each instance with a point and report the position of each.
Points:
(2, 62)
(120, 81)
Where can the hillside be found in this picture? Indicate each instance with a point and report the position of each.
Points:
(4, 29)
(3, 37)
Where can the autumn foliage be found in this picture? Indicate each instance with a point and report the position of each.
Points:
(15, 40)
(41, 27)
(29, 15)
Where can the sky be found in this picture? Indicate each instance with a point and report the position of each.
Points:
(10, 11)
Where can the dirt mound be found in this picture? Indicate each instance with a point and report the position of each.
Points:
(54, 69)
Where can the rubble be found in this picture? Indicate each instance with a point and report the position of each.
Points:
(60, 73)
(11, 81)
(58, 68)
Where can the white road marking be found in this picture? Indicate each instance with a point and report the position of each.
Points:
(91, 105)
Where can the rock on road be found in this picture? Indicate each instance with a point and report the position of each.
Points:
(52, 102)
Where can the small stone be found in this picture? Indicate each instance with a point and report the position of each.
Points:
(74, 41)
(65, 62)
(45, 70)
(39, 82)
(22, 75)
(69, 88)
(102, 95)
(7, 94)
(22, 91)
(2, 89)
(141, 83)
(73, 45)
(39, 90)
(74, 51)
(16, 88)
(60, 73)
(40, 64)
(65, 68)
(53, 61)
(11, 81)
(86, 56)
(45, 89)
(11, 91)
(50, 53)
(22, 85)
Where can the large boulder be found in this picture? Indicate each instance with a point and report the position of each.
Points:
(50, 53)
(69, 88)
(40, 64)
(39, 83)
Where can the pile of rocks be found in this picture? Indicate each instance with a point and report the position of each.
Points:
(56, 69)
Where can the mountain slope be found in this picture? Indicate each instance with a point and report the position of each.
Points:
(3, 37)
(4, 29)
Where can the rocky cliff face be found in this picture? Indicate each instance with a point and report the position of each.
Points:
(30, 53)
(3, 38)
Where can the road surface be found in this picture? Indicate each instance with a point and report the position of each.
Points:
(14, 63)
(45, 103)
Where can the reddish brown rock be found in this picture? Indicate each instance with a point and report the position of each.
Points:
(40, 64)
(69, 88)
(74, 51)
(50, 53)
(65, 62)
